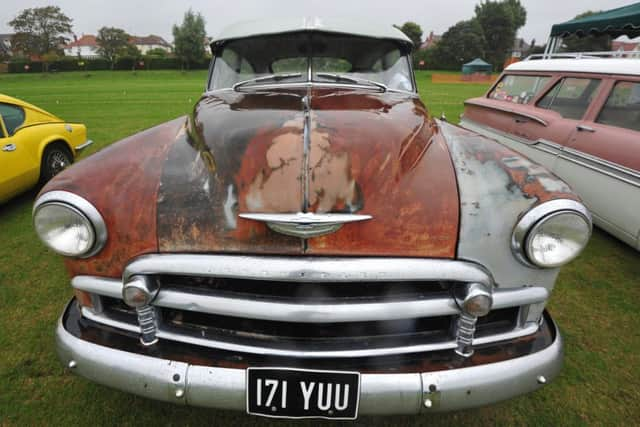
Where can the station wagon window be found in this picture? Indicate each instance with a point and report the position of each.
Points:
(13, 117)
(622, 108)
(518, 89)
(293, 55)
(570, 97)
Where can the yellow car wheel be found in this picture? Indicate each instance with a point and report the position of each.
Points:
(55, 159)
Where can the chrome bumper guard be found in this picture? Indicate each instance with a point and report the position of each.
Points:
(84, 145)
(224, 388)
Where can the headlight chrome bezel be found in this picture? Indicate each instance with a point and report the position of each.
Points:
(533, 218)
(81, 206)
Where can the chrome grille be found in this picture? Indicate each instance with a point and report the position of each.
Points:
(317, 308)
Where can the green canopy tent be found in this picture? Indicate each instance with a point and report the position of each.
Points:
(615, 22)
(476, 66)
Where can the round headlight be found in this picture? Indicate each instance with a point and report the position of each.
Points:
(64, 229)
(557, 239)
(552, 233)
(69, 224)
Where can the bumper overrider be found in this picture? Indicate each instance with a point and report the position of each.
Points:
(148, 373)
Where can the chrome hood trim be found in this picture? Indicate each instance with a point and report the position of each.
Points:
(304, 225)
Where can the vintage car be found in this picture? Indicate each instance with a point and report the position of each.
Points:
(36, 145)
(308, 242)
(580, 118)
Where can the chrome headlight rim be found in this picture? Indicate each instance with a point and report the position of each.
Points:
(83, 207)
(535, 217)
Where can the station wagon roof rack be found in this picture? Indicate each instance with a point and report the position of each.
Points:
(634, 54)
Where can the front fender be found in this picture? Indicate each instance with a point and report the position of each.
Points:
(122, 182)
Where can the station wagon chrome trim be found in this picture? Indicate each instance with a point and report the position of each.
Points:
(305, 225)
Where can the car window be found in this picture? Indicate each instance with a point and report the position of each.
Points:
(622, 108)
(345, 57)
(13, 117)
(570, 97)
(518, 89)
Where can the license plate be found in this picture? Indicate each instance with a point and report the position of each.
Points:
(300, 393)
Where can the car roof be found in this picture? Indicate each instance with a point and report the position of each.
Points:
(358, 27)
(6, 99)
(628, 66)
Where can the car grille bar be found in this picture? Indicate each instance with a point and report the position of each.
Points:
(311, 307)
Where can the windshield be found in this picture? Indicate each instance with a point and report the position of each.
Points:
(325, 58)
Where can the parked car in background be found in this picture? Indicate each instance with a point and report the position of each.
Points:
(581, 119)
(309, 242)
(34, 145)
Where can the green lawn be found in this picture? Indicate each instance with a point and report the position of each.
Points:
(594, 301)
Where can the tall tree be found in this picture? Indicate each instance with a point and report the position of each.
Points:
(500, 21)
(413, 31)
(189, 38)
(588, 43)
(459, 44)
(112, 43)
(40, 30)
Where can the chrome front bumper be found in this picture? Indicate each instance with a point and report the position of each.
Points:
(182, 383)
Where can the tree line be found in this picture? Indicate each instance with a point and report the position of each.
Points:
(42, 32)
(490, 34)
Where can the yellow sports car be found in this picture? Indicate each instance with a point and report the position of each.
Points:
(34, 145)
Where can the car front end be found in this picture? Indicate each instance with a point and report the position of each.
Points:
(312, 248)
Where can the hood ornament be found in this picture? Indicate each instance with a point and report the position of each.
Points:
(304, 225)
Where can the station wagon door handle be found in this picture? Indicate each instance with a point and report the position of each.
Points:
(9, 147)
(583, 128)
(521, 120)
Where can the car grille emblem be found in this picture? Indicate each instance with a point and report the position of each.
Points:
(304, 225)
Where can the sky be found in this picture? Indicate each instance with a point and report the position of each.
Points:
(143, 17)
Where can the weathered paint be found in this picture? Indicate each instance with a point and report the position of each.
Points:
(121, 181)
(374, 154)
(243, 154)
(497, 186)
(369, 153)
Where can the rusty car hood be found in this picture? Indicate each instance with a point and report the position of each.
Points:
(366, 153)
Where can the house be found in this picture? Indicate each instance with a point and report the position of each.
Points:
(5, 45)
(147, 43)
(520, 48)
(431, 40)
(85, 47)
(624, 43)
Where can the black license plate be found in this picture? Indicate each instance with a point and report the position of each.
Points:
(299, 393)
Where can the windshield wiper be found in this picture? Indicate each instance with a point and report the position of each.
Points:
(270, 77)
(356, 80)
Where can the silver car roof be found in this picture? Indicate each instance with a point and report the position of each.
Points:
(356, 27)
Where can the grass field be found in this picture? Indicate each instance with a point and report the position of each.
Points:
(594, 301)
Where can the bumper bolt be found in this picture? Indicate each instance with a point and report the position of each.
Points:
(179, 393)
(72, 364)
(542, 380)
(428, 403)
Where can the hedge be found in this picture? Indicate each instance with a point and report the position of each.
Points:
(125, 63)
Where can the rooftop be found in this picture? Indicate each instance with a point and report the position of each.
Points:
(628, 66)
(358, 27)
(85, 40)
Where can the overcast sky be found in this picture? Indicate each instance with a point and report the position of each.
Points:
(143, 17)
